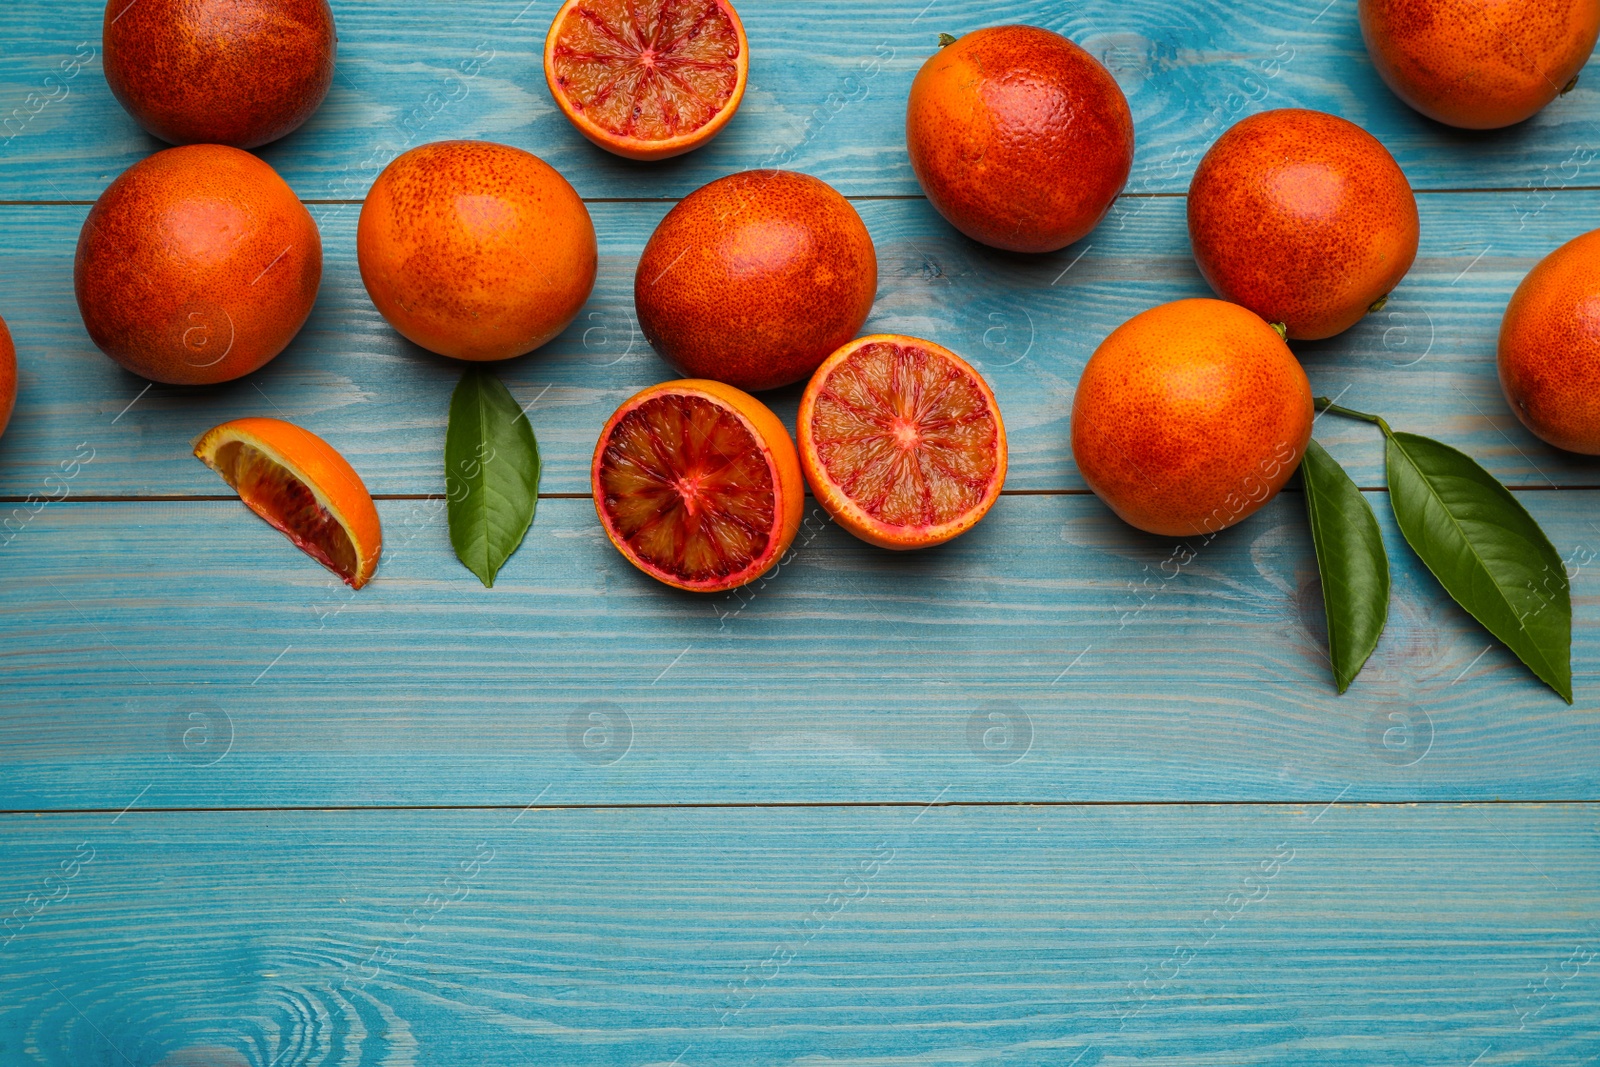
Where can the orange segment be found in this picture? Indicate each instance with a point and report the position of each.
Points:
(296, 481)
(698, 485)
(647, 79)
(902, 441)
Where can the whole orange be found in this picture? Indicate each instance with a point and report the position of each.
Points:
(8, 376)
(197, 265)
(1479, 64)
(1303, 218)
(1190, 417)
(476, 250)
(1019, 137)
(1549, 354)
(755, 279)
(234, 72)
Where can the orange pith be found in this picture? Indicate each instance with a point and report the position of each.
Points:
(296, 482)
(647, 79)
(902, 441)
(697, 487)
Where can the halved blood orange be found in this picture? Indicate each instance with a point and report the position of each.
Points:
(697, 484)
(296, 481)
(902, 441)
(647, 79)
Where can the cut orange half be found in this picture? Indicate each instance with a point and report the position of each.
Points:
(647, 79)
(698, 485)
(296, 481)
(902, 441)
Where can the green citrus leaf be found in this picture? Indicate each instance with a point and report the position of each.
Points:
(491, 473)
(1487, 552)
(1351, 561)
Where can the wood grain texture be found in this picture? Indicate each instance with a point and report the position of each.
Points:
(828, 84)
(866, 936)
(1030, 323)
(177, 654)
(1051, 654)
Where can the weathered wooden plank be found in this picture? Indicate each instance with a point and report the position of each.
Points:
(861, 936)
(1051, 654)
(827, 94)
(1427, 361)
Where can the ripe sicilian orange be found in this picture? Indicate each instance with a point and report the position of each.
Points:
(1190, 417)
(1019, 137)
(198, 265)
(8, 376)
(475, 250)
(902, 441)
(647, 79)
(297, 482)
(698, 485)
(1549, 355)
(1303, 218)
(755, 278)
(233, 72)
(1479, 64)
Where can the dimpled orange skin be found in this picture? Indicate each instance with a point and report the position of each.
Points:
(8, 376)
(1019, 137)
(476, 250)
(233, 72)
(1549, 356)
(1303, 218)
(1479, 64)
(198, 265)
(1190, 417)
(755, 279)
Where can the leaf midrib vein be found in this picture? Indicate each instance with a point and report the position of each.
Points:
(1461, 533)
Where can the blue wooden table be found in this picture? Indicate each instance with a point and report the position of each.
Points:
(1037, 797)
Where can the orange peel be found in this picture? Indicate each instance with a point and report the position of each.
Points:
(300, 485)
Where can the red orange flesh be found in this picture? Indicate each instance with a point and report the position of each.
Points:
(697, 484)
(647, 79)
(299, 484)
(8, 376)
(902, 441)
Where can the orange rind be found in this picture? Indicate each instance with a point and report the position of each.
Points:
(299, 484)
(901, 441)
(697, 484)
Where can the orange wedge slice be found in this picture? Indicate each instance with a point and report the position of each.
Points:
(296, 481)
(902, 442)
(647, 79)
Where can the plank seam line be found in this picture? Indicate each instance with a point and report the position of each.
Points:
(1171, 194)
(797, 805)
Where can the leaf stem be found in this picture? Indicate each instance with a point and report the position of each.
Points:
(1322, 403)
